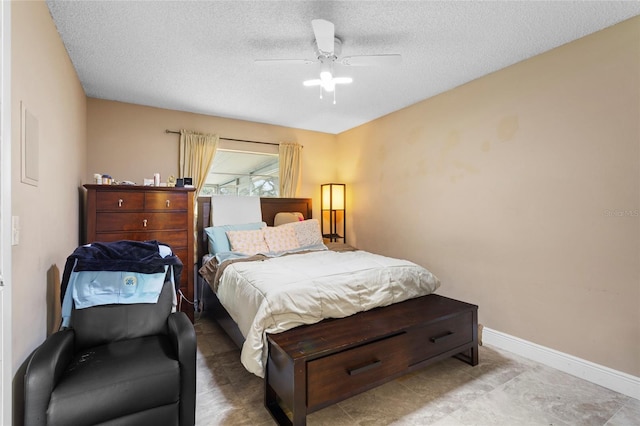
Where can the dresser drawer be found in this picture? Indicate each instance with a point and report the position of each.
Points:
(343, 374)
(437, 337)
(165, 201)
(171, 238)
(121, 201)
(141, 221)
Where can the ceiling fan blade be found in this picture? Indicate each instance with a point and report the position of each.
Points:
(325, 34)
(316, 82)
(371, 60)
(342, 80)
(285, 61)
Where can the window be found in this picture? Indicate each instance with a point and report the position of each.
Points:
(243, 173)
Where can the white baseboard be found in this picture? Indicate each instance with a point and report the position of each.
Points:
(604, 376)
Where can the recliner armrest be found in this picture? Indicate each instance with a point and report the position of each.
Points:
(183, 337)
(45, 368)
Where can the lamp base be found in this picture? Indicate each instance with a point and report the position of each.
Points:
(332, 236)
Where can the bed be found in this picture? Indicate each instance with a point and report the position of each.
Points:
(314, 351)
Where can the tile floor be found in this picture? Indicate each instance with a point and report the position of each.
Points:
(504, 389)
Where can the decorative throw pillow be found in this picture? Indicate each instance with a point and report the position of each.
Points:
(287, 217)
(281, 238)
(217, 235)
(307, 232)
(248, 242)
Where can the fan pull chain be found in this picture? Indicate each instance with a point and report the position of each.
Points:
(321, 91)
(334, 96)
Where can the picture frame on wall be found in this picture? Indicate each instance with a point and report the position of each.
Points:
(29, 147)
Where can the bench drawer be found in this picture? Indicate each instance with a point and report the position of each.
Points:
(347, 373)
(438, 337)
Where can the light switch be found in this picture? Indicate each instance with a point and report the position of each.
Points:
(15, 230)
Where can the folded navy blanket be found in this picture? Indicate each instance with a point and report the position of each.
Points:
(130, 256)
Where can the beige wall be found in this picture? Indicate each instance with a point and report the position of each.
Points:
(129, 142)
(520, 190)
(44, 79)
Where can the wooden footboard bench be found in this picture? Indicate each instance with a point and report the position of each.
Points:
(311, 367)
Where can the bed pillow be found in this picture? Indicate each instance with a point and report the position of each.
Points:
(281, 238)
(248, 242)
(217, 235)
(287, 217)
(307, 232)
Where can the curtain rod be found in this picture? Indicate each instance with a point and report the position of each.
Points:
(229, 139)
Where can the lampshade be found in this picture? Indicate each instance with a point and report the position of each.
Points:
(333, 196)
(334, 213)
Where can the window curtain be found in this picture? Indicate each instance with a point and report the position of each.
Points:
(196, 156)
(290, 168)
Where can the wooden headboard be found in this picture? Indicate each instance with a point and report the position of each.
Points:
(270, 207)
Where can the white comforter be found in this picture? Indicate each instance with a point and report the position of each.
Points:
(280, 293)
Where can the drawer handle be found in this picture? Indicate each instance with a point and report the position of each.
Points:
(168, 203)
(144, 222)
(354, 371)
(442, 337)
(120, 201)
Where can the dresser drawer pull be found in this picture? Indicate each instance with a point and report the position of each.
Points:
(120, 201)
(168, 203)
(442, 337)
(358, 370)
(144, 223)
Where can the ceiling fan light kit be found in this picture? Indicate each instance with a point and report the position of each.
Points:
(328, 48)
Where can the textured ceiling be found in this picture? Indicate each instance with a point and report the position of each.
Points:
(198, 56)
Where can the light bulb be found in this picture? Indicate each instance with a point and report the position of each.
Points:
(326, 77)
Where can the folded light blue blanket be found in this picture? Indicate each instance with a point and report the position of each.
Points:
(93, 288)
(98, 274)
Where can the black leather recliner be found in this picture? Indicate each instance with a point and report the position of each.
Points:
(116, 365)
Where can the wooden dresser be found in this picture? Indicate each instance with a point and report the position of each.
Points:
(313, 366)
(141, 213)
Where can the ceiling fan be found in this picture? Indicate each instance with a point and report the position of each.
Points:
(328, 48)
